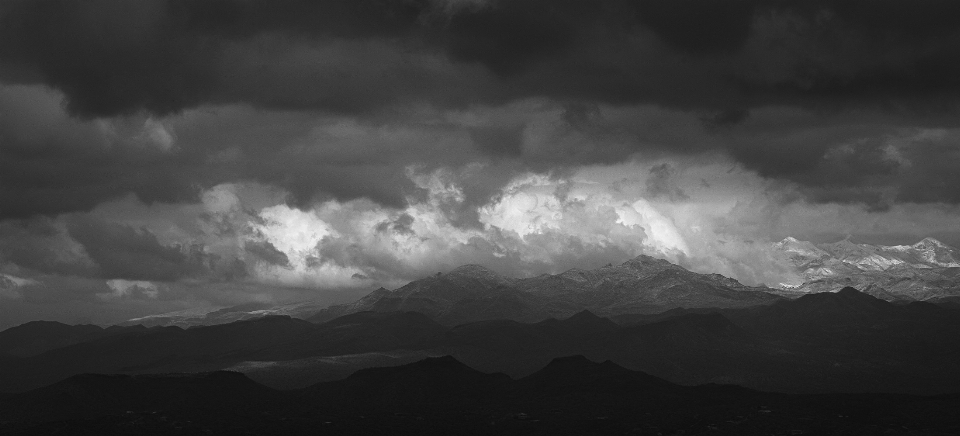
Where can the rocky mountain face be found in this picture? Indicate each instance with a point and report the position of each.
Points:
(641, 285)
(927, 270)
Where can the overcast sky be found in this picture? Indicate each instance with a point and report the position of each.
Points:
(163, 155)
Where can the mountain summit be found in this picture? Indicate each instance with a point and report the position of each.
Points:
(640, 285)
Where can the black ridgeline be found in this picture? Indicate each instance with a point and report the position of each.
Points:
(841, 361)
(570, 395)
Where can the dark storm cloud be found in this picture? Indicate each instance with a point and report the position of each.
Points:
(661, 183)
(720, 60)
(268, 252)
(50, 163)
(112, 56)
(934, 176)
(498, 141)
(510, 36)
(700, 26)
(38, 244)
(123, 252)
(726, 118)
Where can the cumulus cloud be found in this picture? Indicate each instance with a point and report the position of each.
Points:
(537, 223)
(130, 289)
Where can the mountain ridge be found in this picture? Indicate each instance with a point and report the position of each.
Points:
(642, 284)
(926, 270)
(569, 394)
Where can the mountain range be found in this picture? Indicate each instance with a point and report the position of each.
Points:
(846, 341)
(641, 285)
(567, 395)
(927, 270)
(656, 326)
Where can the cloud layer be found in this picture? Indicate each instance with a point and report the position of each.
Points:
(243, 242)
(110, 57)
(174, 152)
(838, 96)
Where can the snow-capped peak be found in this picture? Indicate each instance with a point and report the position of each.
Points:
(929, 243)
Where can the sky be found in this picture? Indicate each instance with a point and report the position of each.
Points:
(164, 155)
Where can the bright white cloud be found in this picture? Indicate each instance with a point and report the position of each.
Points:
(536, 224)
(120, 288)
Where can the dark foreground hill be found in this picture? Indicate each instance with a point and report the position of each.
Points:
(569, 396)
(823, 343)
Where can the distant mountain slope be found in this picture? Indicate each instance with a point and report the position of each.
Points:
(160, 349)
(927, 270)
(35, 337)
(474, 293)
(206, 316)
(358, 333)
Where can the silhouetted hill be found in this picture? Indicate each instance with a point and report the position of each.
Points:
(36, 337)
(692, 327)
(577, 373)
(847, 313)
(519, 349)
(432, 383)
(586, 321)
(172, 349)
(358, 333)
(850, 341)
(88, 396)
(160, 349)
(569, 396)
(836, 342)
(690, 349)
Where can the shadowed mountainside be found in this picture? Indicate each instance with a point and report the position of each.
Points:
(832, 342)
(36, 337)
